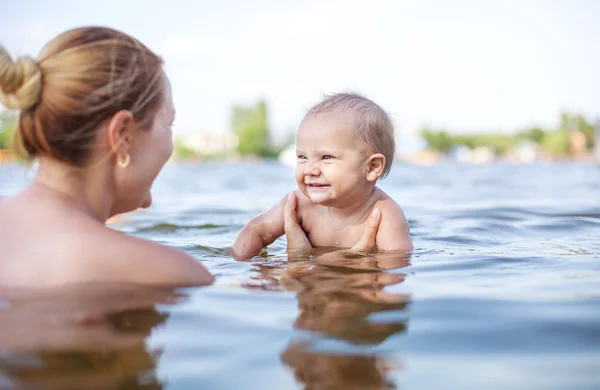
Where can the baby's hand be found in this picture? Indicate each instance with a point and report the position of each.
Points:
(368, 240)
(296, 237)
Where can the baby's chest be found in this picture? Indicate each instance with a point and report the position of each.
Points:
(323, 233)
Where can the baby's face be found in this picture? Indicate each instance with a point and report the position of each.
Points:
(331, 168)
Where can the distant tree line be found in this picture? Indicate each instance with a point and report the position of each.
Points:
(555, 141)
(250, 124)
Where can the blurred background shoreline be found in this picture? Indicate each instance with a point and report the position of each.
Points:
(573, 138)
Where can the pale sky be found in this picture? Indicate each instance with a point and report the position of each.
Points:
(460, 65)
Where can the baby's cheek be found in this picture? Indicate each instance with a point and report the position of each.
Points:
(304, 190)
(302, 187)
(300, 180)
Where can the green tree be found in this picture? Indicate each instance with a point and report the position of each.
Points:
(499, 143)
(557, 143)
(534, 134)
(250, 124)
(8, 120)
(468, 140)
(438, 141)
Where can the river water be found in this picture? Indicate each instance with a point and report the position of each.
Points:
(502, 291)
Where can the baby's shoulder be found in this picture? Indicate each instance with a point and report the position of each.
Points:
(387, 205)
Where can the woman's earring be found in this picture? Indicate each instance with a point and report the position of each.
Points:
(124, 163)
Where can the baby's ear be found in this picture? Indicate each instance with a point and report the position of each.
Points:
(375, 166)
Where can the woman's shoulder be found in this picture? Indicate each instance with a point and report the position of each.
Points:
(121, 257)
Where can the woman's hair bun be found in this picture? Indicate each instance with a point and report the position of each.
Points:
(20, 81)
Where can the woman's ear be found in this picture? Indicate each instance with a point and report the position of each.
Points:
(120, 132)
(375, 166)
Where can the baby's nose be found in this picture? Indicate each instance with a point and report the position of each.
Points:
(312, 170)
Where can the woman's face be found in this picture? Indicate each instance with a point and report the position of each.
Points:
(149, 151)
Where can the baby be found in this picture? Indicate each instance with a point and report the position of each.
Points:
(345, 144)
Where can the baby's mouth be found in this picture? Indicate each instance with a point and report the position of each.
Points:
(316, 186)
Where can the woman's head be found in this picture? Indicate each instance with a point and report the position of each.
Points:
(94, 95)
(80, 80)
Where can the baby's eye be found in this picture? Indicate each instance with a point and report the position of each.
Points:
(327, 157)
(301, 157)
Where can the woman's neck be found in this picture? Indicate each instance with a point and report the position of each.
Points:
(85, 189)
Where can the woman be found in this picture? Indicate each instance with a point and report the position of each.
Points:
(96, 112)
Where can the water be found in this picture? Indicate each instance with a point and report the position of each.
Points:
(503, 291)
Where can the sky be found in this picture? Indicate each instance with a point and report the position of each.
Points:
(462, 66)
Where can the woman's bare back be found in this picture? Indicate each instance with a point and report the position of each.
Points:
(48, 242)
(44, 242)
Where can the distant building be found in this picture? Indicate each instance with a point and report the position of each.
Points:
(577, 144)
(479, 155)
(6, 156)
(210, 143)
(461, 154)
(527, 151)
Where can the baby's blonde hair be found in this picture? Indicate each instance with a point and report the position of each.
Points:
(371, 122)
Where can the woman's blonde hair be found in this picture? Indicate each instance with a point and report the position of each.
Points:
(80, 79)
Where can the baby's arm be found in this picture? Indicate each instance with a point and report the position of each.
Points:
(261, 231)
(393, 233)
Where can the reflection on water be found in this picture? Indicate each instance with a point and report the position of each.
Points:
(329, 371)
(336, 294)
(81, 337)
(95, 336)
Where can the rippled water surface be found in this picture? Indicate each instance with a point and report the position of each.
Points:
(503, 291)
